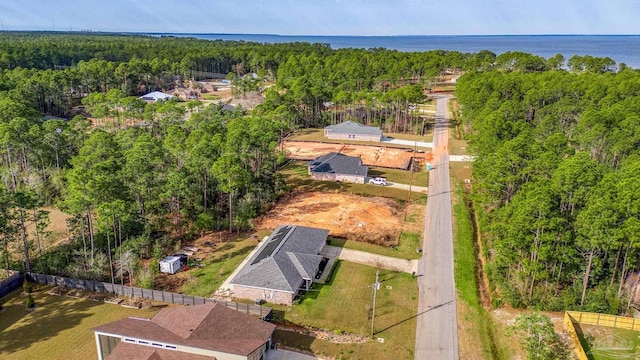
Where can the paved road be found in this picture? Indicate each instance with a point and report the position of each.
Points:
(437, 332)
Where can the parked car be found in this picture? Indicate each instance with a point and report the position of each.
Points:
(378, 181)
(409, 150)
(420, 151)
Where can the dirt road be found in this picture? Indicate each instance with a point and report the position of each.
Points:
(437, 331)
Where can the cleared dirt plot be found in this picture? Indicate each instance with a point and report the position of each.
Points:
(370, 155)
(375, 220)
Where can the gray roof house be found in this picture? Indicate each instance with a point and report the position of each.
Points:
(155, 96)
(350, 130)
(338, 167)
(284, 264)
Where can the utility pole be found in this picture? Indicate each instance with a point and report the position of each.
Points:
(412, 164)
(376, 287)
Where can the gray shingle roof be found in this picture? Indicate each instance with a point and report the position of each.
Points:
(336, 163)
(289, 256)
(353, 128)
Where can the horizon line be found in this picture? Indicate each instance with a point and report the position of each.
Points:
(303, 35)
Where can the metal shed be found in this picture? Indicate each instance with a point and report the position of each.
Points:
(170, 265)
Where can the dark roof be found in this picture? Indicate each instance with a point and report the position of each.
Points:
(126, 351)
(209, 326)
(287, 257)
(353, 128)
(336, 163)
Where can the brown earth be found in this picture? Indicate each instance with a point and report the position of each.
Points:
(370, 155)
(376, 220)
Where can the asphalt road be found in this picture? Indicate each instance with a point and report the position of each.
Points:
(437, 332)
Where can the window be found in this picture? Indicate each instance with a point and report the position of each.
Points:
(143, 342)
(171, 347)
(130, 340)
(156, 344)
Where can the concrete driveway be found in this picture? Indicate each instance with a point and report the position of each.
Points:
(406, 142)
(365, 258)
(279, 354)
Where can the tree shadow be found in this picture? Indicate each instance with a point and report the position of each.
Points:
(412, 317)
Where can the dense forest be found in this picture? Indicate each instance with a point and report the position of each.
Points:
(137, 177)
(556, 183)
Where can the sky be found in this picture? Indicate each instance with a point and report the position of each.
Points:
(327, 17)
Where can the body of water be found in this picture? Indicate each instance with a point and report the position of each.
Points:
(621, 48)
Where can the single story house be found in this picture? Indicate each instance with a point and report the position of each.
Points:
(338, 167)
(199, 332)
(350, 130)
(284, 265)
(156, 96)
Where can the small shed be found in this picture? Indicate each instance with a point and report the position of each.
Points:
(170, 264)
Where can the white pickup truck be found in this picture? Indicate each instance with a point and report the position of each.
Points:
(378, 181)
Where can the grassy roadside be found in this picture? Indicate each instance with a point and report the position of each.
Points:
(476, 337)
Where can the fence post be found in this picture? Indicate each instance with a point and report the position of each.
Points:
(615, 321)
(172, 299)
(236, 306)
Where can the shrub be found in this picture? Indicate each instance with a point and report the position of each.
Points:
(27, 287)
(30, 302)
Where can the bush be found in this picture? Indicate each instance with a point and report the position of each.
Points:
(27, 287)
(30, 302)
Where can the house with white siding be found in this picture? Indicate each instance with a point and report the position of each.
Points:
(350, 130)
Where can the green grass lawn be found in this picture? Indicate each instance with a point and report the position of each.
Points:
(589, 334)
(59, 327)
(406, 248)
(209, 96)
(344, 305)
(420, 178)
(207, 279)
(295, 176)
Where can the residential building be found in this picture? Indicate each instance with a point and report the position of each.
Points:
(199, 332)
(155, 96)
(350, 130)
(284, 265)
(338, 167)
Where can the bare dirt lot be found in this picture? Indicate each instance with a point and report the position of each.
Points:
(370, 155)
(376, 220)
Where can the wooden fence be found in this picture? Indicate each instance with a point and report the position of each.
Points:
(571, 329)
(584, 318)
(155, 295)
(619, 322)
(12, 282)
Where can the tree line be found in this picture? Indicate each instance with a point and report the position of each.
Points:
(556, 182)
(139, 175)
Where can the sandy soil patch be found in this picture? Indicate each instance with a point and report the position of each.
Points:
(370, 155)
(370, 219)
